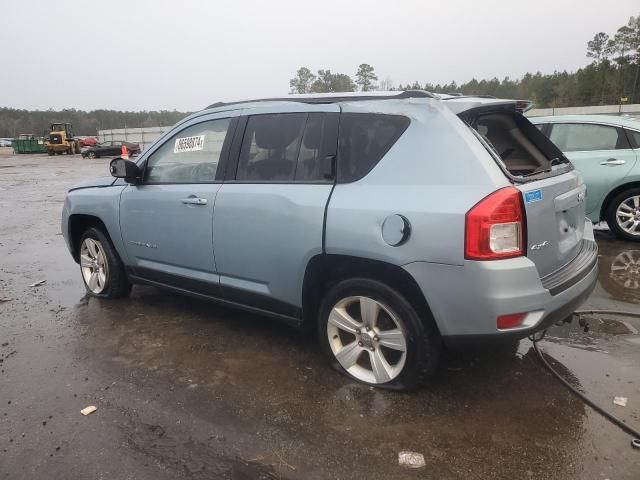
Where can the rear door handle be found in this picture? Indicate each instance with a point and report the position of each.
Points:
(194, 201)
(613, 162)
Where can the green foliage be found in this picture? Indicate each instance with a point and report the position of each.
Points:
(613, 74)
(332, 82)
(14, 122)
(365, 77)
(303, 80)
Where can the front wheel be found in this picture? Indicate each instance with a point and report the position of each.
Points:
(623, 215)
(102, 270)
(91, 155)
(371, 333)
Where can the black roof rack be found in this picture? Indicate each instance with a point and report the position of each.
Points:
(331, 99)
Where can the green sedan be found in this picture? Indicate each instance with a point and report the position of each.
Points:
(606, 150)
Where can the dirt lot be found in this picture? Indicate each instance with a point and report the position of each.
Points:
(186, 389)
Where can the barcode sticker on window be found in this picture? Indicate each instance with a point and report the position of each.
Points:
(189, 144)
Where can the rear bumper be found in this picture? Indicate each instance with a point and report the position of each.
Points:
(466, 300)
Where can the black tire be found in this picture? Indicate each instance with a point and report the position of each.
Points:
(51, 153)
(423, 342)
(92, 155)
(117, 284)
(611, 215)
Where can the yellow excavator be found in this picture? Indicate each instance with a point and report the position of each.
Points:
(60, 140)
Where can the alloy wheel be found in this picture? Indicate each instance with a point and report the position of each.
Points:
(93, 263)
(628, 215)
(367, 339)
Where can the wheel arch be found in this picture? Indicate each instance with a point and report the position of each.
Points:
(612, 194)
(325, 270)
(78, 224)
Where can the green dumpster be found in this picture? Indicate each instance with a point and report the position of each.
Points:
(27, 143)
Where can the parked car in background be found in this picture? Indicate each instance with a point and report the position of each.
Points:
(87, 141)
(5, 142)
(386, 221)
(606, 150)
(109, 149)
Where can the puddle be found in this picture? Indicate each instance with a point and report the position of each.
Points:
(619, 268)
(606, 325)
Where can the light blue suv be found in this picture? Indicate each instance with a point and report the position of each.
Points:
(392, 223)
(606, 150)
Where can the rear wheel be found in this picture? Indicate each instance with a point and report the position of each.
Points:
(51, 153)
(91, 155)
(623, 215)
(371, 333)
(102, 270)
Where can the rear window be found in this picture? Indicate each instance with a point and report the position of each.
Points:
(522, 148)
(364, 139)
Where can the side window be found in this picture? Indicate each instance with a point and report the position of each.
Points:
(319, 141)
(634, 138)
(364, 139)
(540, 126)
(270, 147)
(576, 137)
(190, 156)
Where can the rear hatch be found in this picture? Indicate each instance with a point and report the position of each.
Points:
(553, 192)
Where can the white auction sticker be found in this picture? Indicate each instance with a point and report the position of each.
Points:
(189, 144)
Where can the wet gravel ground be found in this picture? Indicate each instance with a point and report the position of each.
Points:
(186, 389)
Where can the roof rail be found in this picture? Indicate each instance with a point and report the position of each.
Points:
(457, 96)
(338, 97)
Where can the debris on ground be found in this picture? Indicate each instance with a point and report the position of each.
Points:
(622, 401)
(2, 300)
(411, 459)
(38, 283)
(88, 410)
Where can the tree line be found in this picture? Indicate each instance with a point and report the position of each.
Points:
(612, 77)
(13, 122)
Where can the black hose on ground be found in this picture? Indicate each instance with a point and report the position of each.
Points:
(635, 441)
(606, 312)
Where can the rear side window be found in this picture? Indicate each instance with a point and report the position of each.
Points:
(584, 137)
(288, 147)
(270, 147)
(320, 140)
(634, 138)
(364, 139)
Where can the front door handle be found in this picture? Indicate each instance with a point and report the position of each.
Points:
(194, 201)
(612, 162)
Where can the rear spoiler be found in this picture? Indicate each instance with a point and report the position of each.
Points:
(461, 104)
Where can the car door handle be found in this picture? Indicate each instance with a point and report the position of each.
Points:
(612, 162)
(194, 201)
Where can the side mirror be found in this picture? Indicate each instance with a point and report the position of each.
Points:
(121, 168)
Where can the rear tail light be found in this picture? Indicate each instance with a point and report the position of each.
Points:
(494, 227)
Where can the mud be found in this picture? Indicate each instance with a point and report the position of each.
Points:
(186, 389)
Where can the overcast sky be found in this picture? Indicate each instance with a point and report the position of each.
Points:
(186, 54)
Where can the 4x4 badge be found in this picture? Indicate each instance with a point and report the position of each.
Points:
(540, 246)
